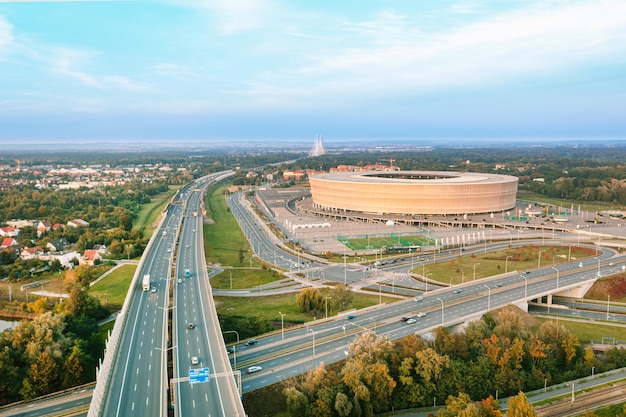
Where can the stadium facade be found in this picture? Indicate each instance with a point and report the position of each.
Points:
(413, 192)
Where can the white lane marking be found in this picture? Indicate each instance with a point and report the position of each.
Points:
(135, 387)
(139, 358)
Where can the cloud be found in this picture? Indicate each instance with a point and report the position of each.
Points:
(394, 55)
(233, 16)
(6, 35)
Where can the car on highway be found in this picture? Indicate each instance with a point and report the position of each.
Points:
(498, 285)
(191, 326)
(411, 321)
(231, 349)
(194, 360)
(458, 291)
(405, 318)
(421, 314)
(253, 369)
(180, 281)
(351, 317)
(153, 289)
(251, 342)
(528, 272)
(418, 299)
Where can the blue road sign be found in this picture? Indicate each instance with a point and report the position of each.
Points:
(198, 376)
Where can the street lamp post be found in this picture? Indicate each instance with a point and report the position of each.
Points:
(475, 265)
(608, 303)
(488, 297)
(525, 286)
(442, 309)
(539, 259)
(326, 302)
(282, 324)
(235, 348)
(506, 263)
(557, 277)
(426, 281)
(598, 259)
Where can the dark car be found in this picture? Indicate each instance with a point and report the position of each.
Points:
(191, 326)
(251, 342)
(350, 317)
(405, 318)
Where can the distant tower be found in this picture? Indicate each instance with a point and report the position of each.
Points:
(318, 147)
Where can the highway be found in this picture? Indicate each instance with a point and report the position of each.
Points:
(197, 332)
(139, 373)
(282, 359)
(138, 383)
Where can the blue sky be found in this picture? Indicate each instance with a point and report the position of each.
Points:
(238, 70)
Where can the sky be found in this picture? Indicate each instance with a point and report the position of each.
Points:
(258, 70)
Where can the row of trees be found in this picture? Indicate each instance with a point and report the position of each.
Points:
(496, 354)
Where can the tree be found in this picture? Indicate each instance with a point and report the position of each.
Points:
(10, 381)
(129, 249)
(73, 368)
(296, 401)
(489, 407)
(519, 406)
(42, 377)
(343, 406)
(309, 299)
(459, 406)
(366, 372)
(341, 296)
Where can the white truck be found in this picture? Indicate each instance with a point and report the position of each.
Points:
(145, 284)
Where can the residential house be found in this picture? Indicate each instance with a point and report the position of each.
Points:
(8, 242)
(18, 224)
(9, 231)
(102, 249)
(65, 257)
(89, 257)
(43, 227)
(31, 253)
(57, 245)
(58, 226)
(78, 223)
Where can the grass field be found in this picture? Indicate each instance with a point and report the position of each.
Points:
(242, 278)
(378, 242)
(461, 269)
(268, 307)
(224, 242)
(150, 213)
(588, 331)
(112, 290)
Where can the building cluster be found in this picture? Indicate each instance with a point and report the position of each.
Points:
(55, 249)
(72, 177)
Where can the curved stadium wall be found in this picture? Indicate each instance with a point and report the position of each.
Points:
(414, 192)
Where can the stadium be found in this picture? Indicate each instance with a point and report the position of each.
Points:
(413, 192)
